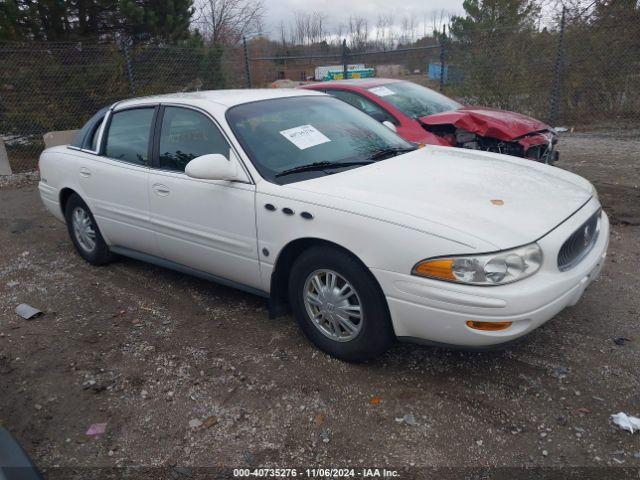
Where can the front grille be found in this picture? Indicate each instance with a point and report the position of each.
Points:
(579, 243)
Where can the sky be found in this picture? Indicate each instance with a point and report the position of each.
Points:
(338, 11)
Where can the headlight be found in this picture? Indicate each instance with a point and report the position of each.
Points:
(487, 269)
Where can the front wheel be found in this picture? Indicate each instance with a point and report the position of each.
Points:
(338, 305)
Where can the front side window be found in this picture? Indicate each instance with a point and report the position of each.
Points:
(185, 135)
(364, 104)
(285, 134)
(128, 136)
(414, 100)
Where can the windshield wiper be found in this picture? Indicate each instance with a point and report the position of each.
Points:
(321, 166)
(389, 152)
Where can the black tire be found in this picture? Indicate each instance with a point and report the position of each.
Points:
(376, 333)
(100, 253)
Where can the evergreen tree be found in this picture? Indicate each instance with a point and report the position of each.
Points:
(494, 41)
(486, 18)
(162, 21)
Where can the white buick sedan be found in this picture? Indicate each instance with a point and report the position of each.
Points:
(303, 199)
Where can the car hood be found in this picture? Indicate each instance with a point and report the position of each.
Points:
(488, 122)
(476, 198)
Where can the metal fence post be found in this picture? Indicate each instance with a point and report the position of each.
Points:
(247, 70)
(127, 58)
(557, 79)
(345, 61)
(443, 52)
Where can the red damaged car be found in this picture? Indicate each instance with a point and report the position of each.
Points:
(422, 115)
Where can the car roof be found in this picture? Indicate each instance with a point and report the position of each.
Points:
(355, 83)
(227, 98)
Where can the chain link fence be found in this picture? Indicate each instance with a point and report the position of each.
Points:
(57, 86)
(574, 75)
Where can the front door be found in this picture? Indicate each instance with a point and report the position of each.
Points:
(208, 225)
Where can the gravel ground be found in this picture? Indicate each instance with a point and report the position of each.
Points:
(189, 374)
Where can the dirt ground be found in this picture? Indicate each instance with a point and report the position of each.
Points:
(190, 374)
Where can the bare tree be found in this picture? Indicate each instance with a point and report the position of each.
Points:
(299, 32)
(283, 33)
(439, 20)
(358, 29)
(317, 31)
(227, 21)
(339, 32)
(384, 32)
(408, 29)
(309, 27)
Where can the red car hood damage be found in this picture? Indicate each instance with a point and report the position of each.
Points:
(487, 122)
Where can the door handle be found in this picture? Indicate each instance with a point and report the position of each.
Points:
(85, 172)
(161, 190)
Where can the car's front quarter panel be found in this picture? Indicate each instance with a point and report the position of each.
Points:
(379, 242)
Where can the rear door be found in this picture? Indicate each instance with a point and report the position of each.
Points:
(207, 225)
(115, 180)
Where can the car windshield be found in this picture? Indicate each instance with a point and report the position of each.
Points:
(297, 138)
(414, 100)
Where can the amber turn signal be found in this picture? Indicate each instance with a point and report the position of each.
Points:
(488, 326)
(442, 269)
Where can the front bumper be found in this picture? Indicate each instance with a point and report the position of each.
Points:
(436, 312)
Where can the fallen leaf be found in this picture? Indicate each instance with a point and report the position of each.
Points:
(375, 400)
(210, 421)
(318, 419)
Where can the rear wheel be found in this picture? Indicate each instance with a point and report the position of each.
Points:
(84, 232)
(339, 305)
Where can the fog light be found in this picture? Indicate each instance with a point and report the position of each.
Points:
(488, 326)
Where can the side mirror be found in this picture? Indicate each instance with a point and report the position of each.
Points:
(213, 166)
(390, 126)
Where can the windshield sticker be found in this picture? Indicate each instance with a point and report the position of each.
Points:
(382, 91)
(304, 136)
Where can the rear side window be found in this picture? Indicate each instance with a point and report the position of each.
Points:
(91, 140)
(364, 104)
(185, 135)
(128, 136)
(87, 137)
